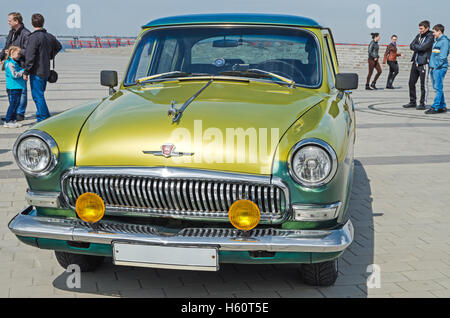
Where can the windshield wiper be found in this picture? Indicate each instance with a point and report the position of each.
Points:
(168, 75)
(254, 72)
(177, 113)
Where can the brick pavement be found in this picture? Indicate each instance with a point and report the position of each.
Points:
(399, 207)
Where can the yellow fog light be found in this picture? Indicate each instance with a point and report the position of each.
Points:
(244, 215)
(90, 207)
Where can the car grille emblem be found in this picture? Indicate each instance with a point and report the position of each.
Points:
(167, 151)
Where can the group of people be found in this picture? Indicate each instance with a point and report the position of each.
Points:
(430, 57)
(26, 56)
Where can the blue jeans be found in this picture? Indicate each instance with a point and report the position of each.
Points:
(38, 86)
(14, 102)
(23, 102)
(437, 77)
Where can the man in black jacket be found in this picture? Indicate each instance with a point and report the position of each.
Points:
(18, 36)
(42, 47)
(422, 46)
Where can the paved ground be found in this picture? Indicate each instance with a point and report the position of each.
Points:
(400, 209)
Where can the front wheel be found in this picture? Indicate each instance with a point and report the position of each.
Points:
(320, 274)
(87, 263)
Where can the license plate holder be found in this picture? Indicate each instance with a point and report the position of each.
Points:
(166, 256)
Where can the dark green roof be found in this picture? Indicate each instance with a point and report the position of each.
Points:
(244, 18)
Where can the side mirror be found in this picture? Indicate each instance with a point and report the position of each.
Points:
(346, 81)
(109, 79)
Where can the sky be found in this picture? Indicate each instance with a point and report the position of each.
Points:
(351, 21)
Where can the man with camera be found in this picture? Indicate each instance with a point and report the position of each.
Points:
(42, 48)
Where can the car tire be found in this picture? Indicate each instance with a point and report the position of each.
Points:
(320, 274)
(87, 263)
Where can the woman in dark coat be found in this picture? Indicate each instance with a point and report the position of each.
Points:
(373, 61)
(391, 57)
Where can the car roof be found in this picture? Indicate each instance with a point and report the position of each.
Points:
(238, 18)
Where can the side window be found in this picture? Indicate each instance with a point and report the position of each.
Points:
(330, 54)
(330, 71)
(331, 49)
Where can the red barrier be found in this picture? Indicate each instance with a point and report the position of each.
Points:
(353, 44)
(98, 43)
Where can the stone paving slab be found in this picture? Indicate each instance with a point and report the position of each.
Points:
(399, 206)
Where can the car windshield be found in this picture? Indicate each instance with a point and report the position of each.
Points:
(260, 53)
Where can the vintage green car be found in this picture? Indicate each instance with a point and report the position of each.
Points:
(230, 140)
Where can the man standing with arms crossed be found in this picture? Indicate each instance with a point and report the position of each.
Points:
(439, 66)
(18, 36)
(42, 47)
(421, 46)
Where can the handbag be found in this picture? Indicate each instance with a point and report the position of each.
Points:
(53, 77)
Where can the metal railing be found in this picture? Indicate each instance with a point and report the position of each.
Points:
(79, 42)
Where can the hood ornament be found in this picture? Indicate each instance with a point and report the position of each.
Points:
(167, 151)
(173, 111)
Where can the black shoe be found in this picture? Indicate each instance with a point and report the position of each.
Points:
(368, 87)
(421, 107)
(410, 105)
(389, 84)
(431, 111)
(373, 85)
(20, 117)
(442, 110)
(4, 118)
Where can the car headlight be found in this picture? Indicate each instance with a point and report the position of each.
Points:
(36, 153)
(312, 163)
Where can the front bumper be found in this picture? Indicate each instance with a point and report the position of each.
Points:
(27, 224)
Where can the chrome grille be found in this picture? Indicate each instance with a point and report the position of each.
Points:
(174, 197)
(214, 232)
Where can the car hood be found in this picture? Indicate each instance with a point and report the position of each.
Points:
(231, 126)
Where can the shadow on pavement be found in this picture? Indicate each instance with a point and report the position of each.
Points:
(354, 263)
(234, 280)
(5, 163)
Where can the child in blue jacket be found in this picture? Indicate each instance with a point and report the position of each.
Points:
(439, 65)
(14, 85)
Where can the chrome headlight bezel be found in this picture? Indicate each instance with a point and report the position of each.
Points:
(320, 144)
(51, 145)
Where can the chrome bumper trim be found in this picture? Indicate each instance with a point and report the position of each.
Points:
(277, 240)
(316, 212)
(43, 199)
